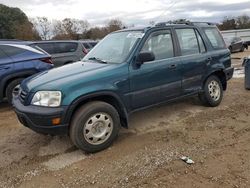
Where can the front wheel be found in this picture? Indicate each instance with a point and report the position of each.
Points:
(12, 88)
(94, 126)
(213, 92)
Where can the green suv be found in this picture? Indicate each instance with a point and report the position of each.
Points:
(127, 71)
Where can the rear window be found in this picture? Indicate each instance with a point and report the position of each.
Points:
(65, 47)
(215, 38)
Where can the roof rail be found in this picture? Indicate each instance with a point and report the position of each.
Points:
(184, 23)
(203, 23)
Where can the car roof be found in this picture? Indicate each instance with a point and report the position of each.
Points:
(25, 47)
(84, 40)
(15, 42)
(51, 41)
(170, 24)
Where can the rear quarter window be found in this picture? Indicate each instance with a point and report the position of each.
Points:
(65, 47)
(215, 38)
(93, 43)
(86, 45)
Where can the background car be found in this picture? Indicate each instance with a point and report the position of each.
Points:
(18, 62)
(65, 51)
(235, 44)
(88, 44)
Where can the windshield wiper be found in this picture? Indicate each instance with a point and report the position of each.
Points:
(98, 60)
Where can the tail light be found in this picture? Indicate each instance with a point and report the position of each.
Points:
(85, 51)
(47, 60)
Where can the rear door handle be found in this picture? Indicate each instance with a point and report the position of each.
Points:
(4, 68)
(172, 66)
(209, 59)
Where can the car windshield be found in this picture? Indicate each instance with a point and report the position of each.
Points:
(115, 47)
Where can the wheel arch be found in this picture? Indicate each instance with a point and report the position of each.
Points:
(221, 75)
(8, 79)
(108, 97)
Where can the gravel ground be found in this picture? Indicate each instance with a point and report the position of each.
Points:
(147, 154)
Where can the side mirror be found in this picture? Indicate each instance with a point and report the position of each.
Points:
(145, 57)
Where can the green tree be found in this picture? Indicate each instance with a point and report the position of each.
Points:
(228, 23)
(100, 32)
(240, 22)
(69, 28)
(114, 25)
(14, 24)
(243, 22)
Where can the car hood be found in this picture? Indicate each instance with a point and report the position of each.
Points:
(54, 79)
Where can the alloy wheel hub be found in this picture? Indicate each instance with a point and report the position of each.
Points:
(98, 128)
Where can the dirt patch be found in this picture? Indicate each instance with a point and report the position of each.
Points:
(145, 155)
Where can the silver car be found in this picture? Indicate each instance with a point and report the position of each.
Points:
(65, 51)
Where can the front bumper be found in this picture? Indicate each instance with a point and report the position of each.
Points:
(229, 72)
(39, 119)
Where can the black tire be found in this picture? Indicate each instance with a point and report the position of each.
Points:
(80, 120)
(208, 97)
(230, 49)
(242, 48)
(11, 86)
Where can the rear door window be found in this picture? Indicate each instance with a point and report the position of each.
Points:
(3, 57)
(48, 47)
(188, 41)
(215, 38)
(65, 47)
(12, 50)
(2, 54)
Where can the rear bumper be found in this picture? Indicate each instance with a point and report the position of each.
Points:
(39, 119)
(229, 72)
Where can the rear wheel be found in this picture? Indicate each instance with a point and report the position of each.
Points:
(213, 92)
(94, 126)
(13, 87)
(242, 48)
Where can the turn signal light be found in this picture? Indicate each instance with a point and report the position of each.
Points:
(56, 121)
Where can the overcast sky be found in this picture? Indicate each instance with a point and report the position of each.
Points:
(138, 12)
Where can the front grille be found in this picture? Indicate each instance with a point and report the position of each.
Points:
(23, 96)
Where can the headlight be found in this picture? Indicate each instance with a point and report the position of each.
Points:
(47, 98)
